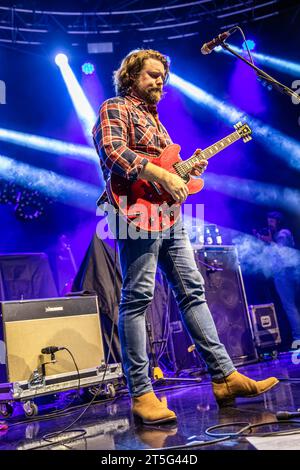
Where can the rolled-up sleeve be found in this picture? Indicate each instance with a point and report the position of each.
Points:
(110, 135)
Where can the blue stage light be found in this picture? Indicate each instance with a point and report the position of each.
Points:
(250, 43)
(279, 144)
(88, 68)
(256, 192)
(61, 188)
(81, 104)
(286, 66)
(52, 146)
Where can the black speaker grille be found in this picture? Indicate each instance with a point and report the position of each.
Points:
(226, 299)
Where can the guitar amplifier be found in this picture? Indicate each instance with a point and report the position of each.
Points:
(31, 325)
(226, 298)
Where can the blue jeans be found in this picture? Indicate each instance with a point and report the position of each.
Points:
(139, 259)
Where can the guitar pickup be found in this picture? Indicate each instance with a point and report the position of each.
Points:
(157, 188)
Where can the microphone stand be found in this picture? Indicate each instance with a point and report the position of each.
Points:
(261, 74)
(157, 373)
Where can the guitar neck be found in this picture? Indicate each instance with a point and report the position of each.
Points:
(220, 145)
(209, 152)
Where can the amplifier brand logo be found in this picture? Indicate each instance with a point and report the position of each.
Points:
(54, 309)
(266, 321)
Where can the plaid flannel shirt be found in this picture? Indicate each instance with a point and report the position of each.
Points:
(125, 134)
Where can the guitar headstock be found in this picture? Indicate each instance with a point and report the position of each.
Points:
(244, 131)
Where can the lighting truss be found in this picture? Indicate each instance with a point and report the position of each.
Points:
(170, 20)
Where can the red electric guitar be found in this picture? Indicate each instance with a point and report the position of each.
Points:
(146, 204)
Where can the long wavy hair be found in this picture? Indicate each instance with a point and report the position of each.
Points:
(132, 65)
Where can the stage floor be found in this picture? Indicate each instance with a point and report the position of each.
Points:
(108, 424)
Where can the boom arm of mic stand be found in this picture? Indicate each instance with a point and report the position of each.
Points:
(279, 86)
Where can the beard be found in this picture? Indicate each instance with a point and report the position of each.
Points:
(150, 95)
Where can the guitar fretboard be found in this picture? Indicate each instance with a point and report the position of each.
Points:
(183, 168)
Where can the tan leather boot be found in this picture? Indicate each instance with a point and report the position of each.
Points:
(151, 410)
(155, 437)
(238, 385)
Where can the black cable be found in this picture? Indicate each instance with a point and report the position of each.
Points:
(246, 427)
(78, 386)
(121, 393)
(62, 411)
(227, 436)
(81, 414)
(48, 436)
(268, 79)
(48, 416)
(245, 41)
(75, 364)
(57, 413)
(277, 433)
(249, 427)
(54, 413)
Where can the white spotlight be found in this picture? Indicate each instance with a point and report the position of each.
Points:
(61, 59)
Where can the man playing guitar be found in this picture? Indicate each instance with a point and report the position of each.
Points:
(131, 143)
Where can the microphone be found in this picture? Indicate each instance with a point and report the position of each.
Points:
(51, 350)
(209, 46)
(283, 415)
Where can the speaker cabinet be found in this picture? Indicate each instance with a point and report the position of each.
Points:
(226, 299)
(26, 276)
(31, 325)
